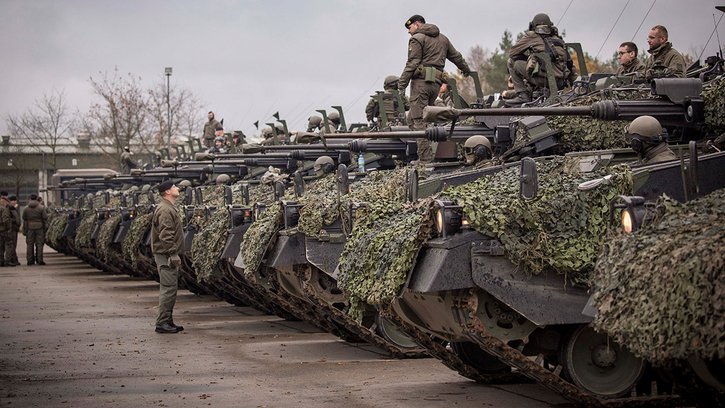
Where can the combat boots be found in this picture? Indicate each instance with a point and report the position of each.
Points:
(520, 98)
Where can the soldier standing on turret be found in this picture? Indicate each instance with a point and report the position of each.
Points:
(527, 72)
(664, 61)
(428, 50)
(209, 129)
(127, 162)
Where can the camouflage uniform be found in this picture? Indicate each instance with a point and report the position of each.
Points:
(11, 254)
(427, 48)
(666, 56)
(390, 104)
(127, 163)
(658, 154)
(209, 129)
(634, 66)
(5, 226)
(522, 67)
(35, 221)
(167, 242)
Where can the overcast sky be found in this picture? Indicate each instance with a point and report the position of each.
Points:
(247, 59)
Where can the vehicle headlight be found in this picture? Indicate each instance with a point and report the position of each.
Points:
(449, 217)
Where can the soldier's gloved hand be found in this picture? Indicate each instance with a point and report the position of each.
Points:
(175, 261)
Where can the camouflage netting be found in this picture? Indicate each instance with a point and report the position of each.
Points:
(321, 206)
(208, 244)
(260, 194)
(381, 251)
(105, 235)
(661, 290)
(259, 235)
(134, 237)
(562, 229)
(55, 229)
(713, 95)
(585, 133)
(85, 229)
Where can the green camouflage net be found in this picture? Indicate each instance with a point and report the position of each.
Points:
(381, 251)
(208, 244)
(661, 290)
(55, 229)
(561, 229)
(105, 235)
(258, 237)
(585, 133)
(133, 239)
(322, 207)
(85, 229)
(260, 194)
(713, 95)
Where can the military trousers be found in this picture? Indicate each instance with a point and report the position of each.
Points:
(168, 286)
(525, 83)
(34, 242)
(11, 250)
(3, 238)
(422, 94)
(6, 247)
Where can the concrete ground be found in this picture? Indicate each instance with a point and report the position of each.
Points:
(73, 336)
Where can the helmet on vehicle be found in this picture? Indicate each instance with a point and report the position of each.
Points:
(540, 19)
(391, 81)
(222, 179)
(279, 128)
(476, 148)
(183, 184)
(334, 116)
(313, 122)
(644, 131)
(324, 165)
(219, 139)
(267, 132)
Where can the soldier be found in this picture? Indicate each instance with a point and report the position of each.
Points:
(5, 225)
(167, 242)
(390, 103)
(218, 147)
(649, 140)
(127, 162)
(527, 72)
(238, 140)
(35, 219)
(333, 120)
(428, 50)
(665, 61)
(476, 149)
(324, 165)
(314, 123)
(444, 98)
(209, 129)
(273, 136)
(11, 255)
(629, 64)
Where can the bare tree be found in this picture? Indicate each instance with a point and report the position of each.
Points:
(185, 114)
(121, 114)
(45, 126)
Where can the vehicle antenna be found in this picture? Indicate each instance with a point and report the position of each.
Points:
(612, 29)
(710, 38)
(642, 22)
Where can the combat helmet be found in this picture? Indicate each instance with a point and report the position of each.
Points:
(313, 122)
(267, 132)
(279, 128)
(222, 179)
(324, 165)
(334, 117)
(183, 184)
(219, 139)
(541, 24)
(391, 82)
(644, 131)
(476, 148)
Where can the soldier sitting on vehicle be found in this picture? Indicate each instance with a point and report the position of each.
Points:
(629, 64)
(649, 140)
(219, 145)
(273, 136)
(476, 149)
(527, 72)
(333, 119)
(664, 61)
(390, 103)
(313, 123)
(324, 165)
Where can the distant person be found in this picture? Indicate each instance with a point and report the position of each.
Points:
(5, 226)
(648, 139)
(35, 220)
(527, 72)
(664, 61)
(428, 50)
(629, 64)
(390, 103)
(11, 254)
(127, 162)
(445, 99)
(167, 243)
(209, 129)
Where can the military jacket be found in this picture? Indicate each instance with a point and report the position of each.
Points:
(390, 103)
(429, 48)
(5, 216)
(34, 216)
(210, 128)
(532, 43)
(167, 237)
(669, 57)
(634, 66)
(658, 154)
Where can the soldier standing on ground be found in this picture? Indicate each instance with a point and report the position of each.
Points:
(35, 220)
(209, 129)
(167, 243)
(11, 253)
(428, 50)
(527, 72)
(649, 140)
(629, 64)
(5, 225)
(664, 61)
